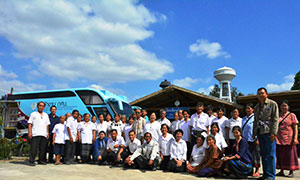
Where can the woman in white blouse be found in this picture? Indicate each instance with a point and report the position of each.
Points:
(164, 142)
(197, 155)
(220, 140)
(178, 152)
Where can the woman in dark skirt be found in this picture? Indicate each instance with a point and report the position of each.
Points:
(287, 139)
(240, 162)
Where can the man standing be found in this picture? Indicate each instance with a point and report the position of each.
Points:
(163, 118)
(71, 137)
(38, 132)
(139, 124)
(53, 121)
(265, 126)
(199, 123)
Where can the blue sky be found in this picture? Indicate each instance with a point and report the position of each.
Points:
(129, 47)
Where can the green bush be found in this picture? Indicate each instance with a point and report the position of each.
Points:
(6, 147)
(14, 147)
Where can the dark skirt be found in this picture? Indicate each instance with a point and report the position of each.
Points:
(287, 158)
(239, 168)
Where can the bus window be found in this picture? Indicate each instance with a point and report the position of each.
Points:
(127, 110)
(101, 110)
(90, 97)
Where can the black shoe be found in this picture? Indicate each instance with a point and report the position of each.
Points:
(154, 169)
(31, 164)
(42, 163)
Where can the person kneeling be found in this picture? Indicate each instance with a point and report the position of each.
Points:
(147, 156)
(115, 147)
(131, 145)
(240, 163)
(178, 152)
(100, 147)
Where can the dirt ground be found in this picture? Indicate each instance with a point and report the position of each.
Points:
(18, 169)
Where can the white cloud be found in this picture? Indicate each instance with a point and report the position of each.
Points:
(286, 85)
(116, 91)
(186, 82)
(60, 86)
(6, 74)
(93, 40)
(211, 50)
(205, 91)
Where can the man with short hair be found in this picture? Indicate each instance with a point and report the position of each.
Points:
(117, 125)
(147, 156)
(199, 123)
(131, 146)
(115, 147)
(38, 132)
(71, 137)
(265, 126)
(54, 119)
(163, 119)
(144, 115)
(139, 124)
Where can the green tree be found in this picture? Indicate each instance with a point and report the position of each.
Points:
(234, 92)
(296, 85)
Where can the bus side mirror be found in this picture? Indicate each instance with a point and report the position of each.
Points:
(120, 105)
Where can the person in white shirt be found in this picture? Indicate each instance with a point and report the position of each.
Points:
(197, 155)
(163, 119)
(221, 120)
(108, 121)
(199, 123)
(184, 125)
(38, 132)
(87, 136)
(117, 125)
(180, 114)
(71, 137)
(210, 113)
(147, 156)
(164, 142)
(130, 147)
(153, 127)
(138, 124)
(115, 146)
(58, 142)
(220, 140)
(94, 120)
(127, 128)
(77, 143)
(102, 125)
(175, 123)
(178, 151)
(234, 121)
(123, 120)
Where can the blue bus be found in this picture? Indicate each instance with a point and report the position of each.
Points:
(19, 106)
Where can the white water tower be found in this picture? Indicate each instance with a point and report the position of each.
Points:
(225, 75)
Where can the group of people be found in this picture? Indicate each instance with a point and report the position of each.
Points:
(207, 144)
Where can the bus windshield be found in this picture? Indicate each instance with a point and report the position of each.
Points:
(127, 110)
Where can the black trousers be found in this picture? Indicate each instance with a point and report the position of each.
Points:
(141, 162)
(189, 149)
(164, 163)
(50, 147)
(69, 151)
(38, 143)
(172, 166)
(104, 157)
(112, 157)
(125, 154)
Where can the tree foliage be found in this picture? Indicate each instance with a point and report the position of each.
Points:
(234, 92)
(296, 85)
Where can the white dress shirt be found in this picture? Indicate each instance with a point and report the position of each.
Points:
(111, 143)
(164, 121)
(199, 123)
(117, 126)
(133, 145)
(73, 125)
(198, 155)
(178, 150)
(231, 123)
(149, 151)
(39, 123)
(175, 125)
(127, 128)
(185, 127)
(164, 144)
(59, 130)
(102, 127)
(221, 122)
(154, 129)
(86, 132)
